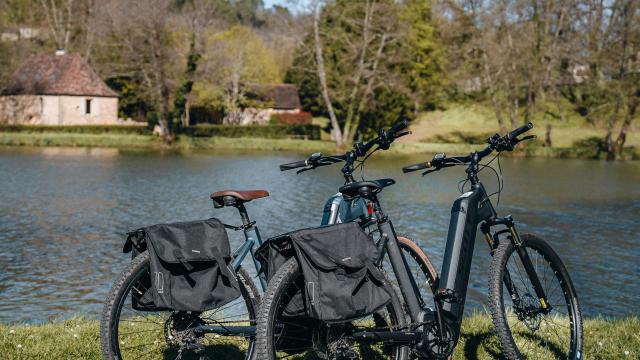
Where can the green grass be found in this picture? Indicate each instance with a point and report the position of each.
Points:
(79, 339)
(461, 122)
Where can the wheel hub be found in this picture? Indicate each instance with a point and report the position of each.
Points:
(528, 311)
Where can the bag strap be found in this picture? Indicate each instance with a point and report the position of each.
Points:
(222, 264)
(376, 276)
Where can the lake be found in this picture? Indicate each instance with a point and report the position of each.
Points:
(64, 212)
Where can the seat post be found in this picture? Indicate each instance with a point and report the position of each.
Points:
(243, 214)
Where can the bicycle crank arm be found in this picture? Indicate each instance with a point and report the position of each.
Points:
(388, 336)
(244, 331)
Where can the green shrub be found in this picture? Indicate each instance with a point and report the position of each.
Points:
(79, 129)
(273, 131)
(460, 137)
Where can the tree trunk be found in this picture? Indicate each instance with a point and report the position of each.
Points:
(547, 137)
(626, 125)
(515, 108)
(608, 139)
(336, 133)
(350, 124)
(494, 97)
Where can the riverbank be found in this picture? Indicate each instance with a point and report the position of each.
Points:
(186, 143)
(79, 339)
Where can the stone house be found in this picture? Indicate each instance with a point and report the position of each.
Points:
(277, 99)
(60, 89)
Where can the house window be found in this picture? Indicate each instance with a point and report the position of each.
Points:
(41, 105)
(87, 106)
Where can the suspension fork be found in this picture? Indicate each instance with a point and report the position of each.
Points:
(493, 242)
(530, 270)
(528, 267)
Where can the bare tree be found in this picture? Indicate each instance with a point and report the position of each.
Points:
(59, 15)
(139, 30)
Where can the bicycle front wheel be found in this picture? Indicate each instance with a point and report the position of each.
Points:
(525, 329)
(126, 333)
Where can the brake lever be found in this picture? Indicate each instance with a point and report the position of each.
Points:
(403, 134)
(528, 137)
(305, 169)
(430, 171)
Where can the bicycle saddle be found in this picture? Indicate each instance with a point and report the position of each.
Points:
(365, 188)
(236, 197)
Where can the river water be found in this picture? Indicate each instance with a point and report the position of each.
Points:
(64, 212)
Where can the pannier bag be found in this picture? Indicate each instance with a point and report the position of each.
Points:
(189, 266)
(341, 281)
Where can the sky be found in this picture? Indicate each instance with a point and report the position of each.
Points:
(291, 4)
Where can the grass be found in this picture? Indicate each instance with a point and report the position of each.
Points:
(78, 338)
(458, 123)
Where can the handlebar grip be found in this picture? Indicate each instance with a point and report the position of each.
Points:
(293, 165)
(400, 125)
(416, 167)
(521, 130)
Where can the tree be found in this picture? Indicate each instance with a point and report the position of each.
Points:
(199, 17)
(138, 42)
(234, 60)
(423, 55)
(350, 55)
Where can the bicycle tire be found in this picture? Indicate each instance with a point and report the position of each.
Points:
(528, 326)
(110, 343)
(278, 286)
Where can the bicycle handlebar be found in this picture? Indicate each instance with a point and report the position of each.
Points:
(293, 165)
(383, 140)
(521, 130)
(496, 143)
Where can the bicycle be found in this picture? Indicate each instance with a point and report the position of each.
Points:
(525, 278)
(303, 336)
(128, 333)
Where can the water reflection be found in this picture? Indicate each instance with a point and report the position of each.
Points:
(63, 214)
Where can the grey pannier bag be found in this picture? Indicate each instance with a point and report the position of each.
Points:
(338, 264)
(189, 266)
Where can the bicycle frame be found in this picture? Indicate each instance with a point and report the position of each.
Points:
(471, 209)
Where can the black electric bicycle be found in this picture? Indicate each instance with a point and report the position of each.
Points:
(532, 299)
(277, 334)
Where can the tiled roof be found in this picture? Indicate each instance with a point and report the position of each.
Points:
(67, 74)
(283, 96)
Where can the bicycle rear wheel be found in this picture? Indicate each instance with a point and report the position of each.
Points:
(524, 328)
(285, 334)
(126, 333)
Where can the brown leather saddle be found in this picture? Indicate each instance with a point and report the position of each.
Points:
(236, 197)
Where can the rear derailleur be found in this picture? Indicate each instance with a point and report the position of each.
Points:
(180, 332)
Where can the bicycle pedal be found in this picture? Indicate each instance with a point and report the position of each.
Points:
(445, 295)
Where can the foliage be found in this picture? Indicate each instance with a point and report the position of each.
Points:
(78, 129)
(130, 104)
(234, 59)
(363, 66)
(277, 131)
(423, 57)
